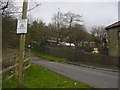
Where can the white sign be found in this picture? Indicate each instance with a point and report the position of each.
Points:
(22, 26)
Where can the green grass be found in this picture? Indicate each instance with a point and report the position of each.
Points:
(48, 57)
(38, 77)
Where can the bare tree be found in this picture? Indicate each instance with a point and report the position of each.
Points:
(36, 32)
(99, 35)
(65, 20)
(70, 19)
(98, 31)
(51, 31)
(57, 20)
(8, 7)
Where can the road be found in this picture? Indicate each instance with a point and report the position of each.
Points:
(92, 77)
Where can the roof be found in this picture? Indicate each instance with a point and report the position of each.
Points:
(116, 24)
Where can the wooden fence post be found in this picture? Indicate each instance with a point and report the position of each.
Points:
(29, 55)
(16, 68)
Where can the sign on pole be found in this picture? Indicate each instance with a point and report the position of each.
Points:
(22, 26)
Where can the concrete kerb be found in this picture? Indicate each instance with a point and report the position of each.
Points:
(93, 67)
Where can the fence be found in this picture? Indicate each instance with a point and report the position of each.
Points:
(10, 67)
(81, 56)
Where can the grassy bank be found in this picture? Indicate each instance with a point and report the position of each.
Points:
(38, 77)
(48, 57)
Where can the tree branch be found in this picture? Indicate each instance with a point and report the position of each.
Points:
(6, 6)
(34, 7)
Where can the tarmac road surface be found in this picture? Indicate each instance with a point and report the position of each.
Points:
(92, 77)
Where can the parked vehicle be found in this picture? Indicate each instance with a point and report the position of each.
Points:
(95, 50)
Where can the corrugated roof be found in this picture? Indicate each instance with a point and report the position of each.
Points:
(116, 24)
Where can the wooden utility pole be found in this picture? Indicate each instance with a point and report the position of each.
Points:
(22, 48)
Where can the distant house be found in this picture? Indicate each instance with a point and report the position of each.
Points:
(86, 43)
(113, 32)
(67, 44)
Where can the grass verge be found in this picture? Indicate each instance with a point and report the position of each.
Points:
(39, 77)
(48, 57)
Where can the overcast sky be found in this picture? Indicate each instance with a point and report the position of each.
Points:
(94, 12)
